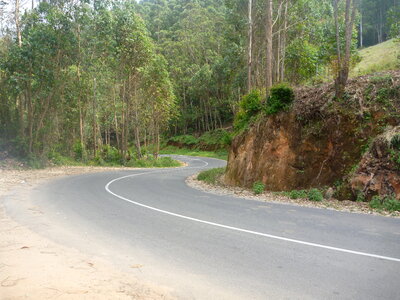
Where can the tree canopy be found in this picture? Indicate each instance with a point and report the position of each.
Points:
(80, 76)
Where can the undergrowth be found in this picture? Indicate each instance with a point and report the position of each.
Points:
(258, 187)
(312, 194)
(211, 176)
(220, 154)
(389, 203)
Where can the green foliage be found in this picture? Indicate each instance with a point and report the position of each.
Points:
(394, 22)
(312, 194)
(315, 195)
(302, 60)
(219, 138)
(79, 151)
(394, 150)
(297, 194)
(250, 106)
(258, 187)
(281, 96)
(60, 160)
(185, 139)
(35, 162)
(395, 142)
(211, 176)
(110, 154)
(251, 103)
(219, 154)
(151, 162)
(360, 197)
(388, 203)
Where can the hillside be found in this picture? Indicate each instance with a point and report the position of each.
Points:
(377, 58)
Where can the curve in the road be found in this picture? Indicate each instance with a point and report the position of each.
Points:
(107, 188)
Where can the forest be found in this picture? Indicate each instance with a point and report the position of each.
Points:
(112, 79)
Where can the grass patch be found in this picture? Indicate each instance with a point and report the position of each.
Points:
(258, 187)
(312, 195)
(185, 139)
(381, 57)
(151, 162)
(386, 203)
(315, 195)
(211, 176)
(220, 154)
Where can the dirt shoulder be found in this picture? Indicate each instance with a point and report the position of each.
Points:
(348, 206)
(33, 267)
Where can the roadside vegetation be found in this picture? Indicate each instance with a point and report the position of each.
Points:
(219, 154)
(211, 176)
(213, 144)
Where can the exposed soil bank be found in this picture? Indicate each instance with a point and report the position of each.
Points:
(320, 142)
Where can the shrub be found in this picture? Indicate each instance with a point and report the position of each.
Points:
(185, 139)
(389, 203)
(151, 162)
(111, 155)
(218, 137)
(250, 105)
(395, 142)
(281, 96)
(297, 194)
(78, 151)
(258, 187)
(375, 202)
(211, 176)
(360, 197)
(315, 195)
(35, 162)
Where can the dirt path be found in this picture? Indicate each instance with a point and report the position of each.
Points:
(33, 267)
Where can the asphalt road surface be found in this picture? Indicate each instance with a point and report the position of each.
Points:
(208, 246)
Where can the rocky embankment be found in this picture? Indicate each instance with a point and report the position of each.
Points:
(350, 144)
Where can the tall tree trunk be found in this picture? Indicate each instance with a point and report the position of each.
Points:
(250, 45)
(137, 131)
(344, 62)
(361, 27)
(81, 120)
(17, 24)
(30, 115)
(283, 44)
(268, 37)
(94, 119)
(338, 87)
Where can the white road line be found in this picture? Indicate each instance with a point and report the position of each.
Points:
(107, 187)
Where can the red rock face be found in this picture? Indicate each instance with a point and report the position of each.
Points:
(284, 155)
(318, 143)
(377, 173)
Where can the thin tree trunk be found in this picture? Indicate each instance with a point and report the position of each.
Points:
(116, 121)
(338, 49)
(17, 24)
(30, 115)
(268, 37)
(361, 27)
(94, 119)
(249, 54)
(344, 65)
(283, 45)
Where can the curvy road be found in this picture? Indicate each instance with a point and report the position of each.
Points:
(207, 246)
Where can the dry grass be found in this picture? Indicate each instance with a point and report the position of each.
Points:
(381, 57)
